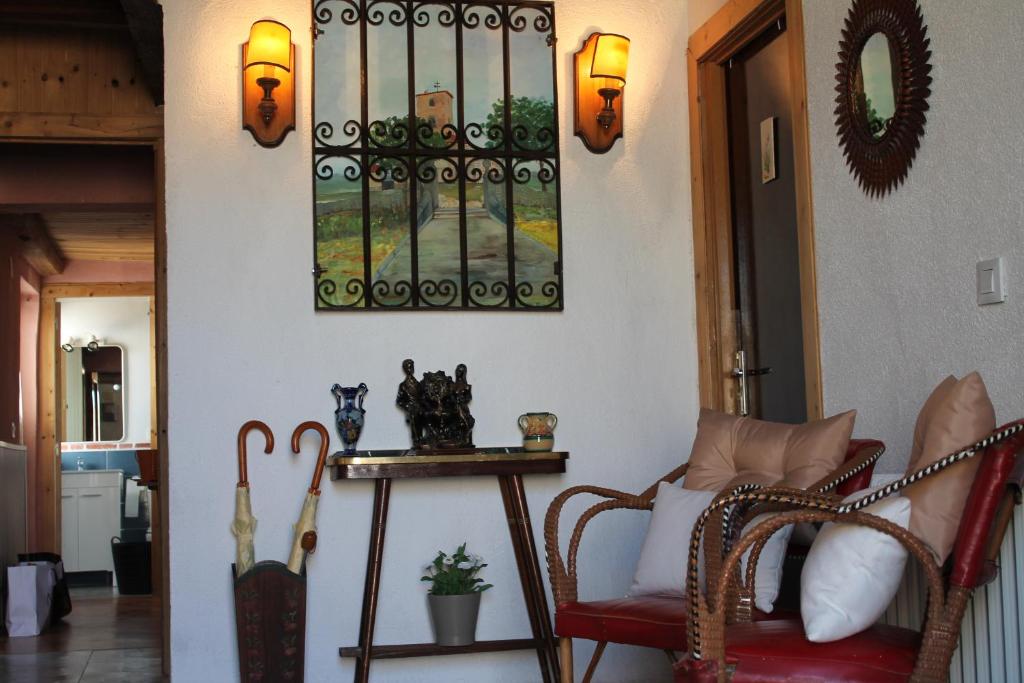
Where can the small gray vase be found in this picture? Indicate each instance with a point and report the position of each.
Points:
(454, 618)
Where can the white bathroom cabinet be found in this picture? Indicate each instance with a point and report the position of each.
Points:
(90, 516)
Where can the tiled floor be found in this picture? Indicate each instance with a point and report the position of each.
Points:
(106, 639)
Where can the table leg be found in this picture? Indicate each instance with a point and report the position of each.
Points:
(529, 573)
(530, 546)
(371, 588)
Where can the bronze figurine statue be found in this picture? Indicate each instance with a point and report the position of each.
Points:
(437, 408)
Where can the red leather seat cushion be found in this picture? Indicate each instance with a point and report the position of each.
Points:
(650, 621)
(771, 651)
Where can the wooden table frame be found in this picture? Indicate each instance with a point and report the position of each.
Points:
(508, 466)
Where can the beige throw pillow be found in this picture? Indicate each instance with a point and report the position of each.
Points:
(957, 414)
(730, 451)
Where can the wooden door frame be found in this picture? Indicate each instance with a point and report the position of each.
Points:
(144, 130)
(708, 53)
(47, 508)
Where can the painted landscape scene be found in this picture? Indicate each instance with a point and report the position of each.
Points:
(455, 205)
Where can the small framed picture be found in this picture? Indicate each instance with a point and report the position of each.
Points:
(768, 150)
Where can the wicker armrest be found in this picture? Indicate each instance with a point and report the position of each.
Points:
(707, 622)
(563, 574)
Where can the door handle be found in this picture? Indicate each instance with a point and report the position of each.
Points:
(742, 372)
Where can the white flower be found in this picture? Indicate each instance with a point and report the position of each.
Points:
(466, 565)
(448, 561)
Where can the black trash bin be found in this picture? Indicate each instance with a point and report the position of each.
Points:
(132, 566)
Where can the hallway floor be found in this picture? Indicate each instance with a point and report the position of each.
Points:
(106, 639)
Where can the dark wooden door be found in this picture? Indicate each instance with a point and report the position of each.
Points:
(766, 260)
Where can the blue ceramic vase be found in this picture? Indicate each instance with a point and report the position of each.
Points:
(349, 416)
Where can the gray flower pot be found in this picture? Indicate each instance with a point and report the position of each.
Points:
(454, 618)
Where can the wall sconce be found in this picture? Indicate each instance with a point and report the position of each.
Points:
(600, 68)
(268, 83)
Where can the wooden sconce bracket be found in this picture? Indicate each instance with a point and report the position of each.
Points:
(282, 118)
(588, 102)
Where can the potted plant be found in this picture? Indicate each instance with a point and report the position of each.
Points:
(454, 596)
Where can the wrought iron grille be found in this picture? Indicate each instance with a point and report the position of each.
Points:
(448, 200)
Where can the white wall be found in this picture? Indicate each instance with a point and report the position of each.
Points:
(124, 322)
(896, 276)
(896, 282)
(618, 366)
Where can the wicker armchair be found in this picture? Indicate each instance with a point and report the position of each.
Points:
(726, 645)
(647, 621)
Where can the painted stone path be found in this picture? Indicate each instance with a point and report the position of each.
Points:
(486, 251)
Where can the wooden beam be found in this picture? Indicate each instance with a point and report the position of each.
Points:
(61, 178)
(146, 24)
(37, 247)
(97, 14)
(69, 127)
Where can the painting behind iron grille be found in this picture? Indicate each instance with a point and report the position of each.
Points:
(435, 156)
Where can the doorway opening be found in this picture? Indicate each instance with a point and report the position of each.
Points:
(757, 318)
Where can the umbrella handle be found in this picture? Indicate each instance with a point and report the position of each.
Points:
(321, 460)
(243, 468)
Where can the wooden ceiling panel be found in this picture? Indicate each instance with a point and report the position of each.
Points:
(96, 236)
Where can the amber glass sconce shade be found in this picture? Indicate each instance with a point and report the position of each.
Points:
(600, 70)
(268, 84)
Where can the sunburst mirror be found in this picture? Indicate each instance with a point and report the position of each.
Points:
(884, 80)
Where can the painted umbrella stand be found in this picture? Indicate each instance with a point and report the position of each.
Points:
(270, 617)
(270, 597)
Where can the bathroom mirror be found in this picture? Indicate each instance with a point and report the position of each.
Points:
(92, 386)
(883, 84)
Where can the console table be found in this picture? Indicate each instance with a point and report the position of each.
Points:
(508, 465)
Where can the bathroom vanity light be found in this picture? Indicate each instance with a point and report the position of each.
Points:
(268, 83)
(600, 68)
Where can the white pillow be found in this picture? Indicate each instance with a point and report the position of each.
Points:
(768, 578)
(661, 569)
(852, 573)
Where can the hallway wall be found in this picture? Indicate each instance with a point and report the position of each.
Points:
(618, 366)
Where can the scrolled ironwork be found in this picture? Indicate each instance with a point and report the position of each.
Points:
(494, 135)
(323, 14)
(382, 288)
(476, 14)
(478, 290)
(396, 16)
(326, 289)
(446, 290)
(397, 175)
(524, 291)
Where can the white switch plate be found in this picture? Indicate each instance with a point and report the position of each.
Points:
(991, 284)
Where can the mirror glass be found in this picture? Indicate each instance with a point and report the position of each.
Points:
(875, 87)
(93, 391)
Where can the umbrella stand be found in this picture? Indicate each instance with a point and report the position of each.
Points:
(270, 617)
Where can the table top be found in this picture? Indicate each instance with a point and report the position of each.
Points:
(405, 464)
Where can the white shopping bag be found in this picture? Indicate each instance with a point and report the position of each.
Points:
(29, 595)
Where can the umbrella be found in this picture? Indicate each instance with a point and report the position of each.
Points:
(245, 524)
(305, 528)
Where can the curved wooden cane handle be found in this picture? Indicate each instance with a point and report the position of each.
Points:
(321, 460)
(243, 466)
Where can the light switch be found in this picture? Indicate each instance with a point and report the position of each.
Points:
(991, 287)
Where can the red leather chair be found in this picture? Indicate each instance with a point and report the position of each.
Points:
(779, 650)
(648, 621)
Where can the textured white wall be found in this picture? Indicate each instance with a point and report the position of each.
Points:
(618, 366)
(896, 276)
(123, 321)
(896, 284)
